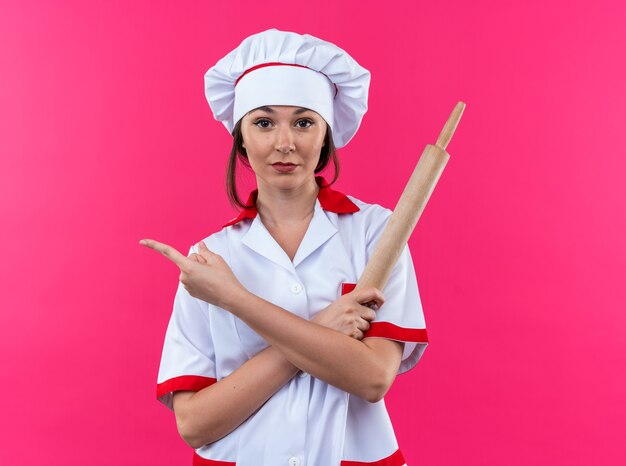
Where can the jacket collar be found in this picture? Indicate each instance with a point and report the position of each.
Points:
(330, 200)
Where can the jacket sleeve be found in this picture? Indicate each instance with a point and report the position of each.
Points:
(401, 317)
(188, 357)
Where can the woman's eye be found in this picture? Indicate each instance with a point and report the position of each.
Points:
(267, 123)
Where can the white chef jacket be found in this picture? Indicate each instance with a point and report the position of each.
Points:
(307, 422)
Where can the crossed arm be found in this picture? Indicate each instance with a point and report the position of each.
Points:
(330, 347)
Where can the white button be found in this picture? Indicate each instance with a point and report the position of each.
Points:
(294, 461)
(303, 374)
(296, 288)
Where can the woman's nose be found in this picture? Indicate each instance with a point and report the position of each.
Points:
(284, 140)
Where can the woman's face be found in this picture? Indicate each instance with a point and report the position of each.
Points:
(283, 144)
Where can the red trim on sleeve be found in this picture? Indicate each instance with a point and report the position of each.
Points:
(396, 459)
(200, 461)
(393, 332)
(184, 382)
(389, 330)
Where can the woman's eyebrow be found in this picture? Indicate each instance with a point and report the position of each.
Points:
(270, 110)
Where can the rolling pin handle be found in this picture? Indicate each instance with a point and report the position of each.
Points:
(448, 130)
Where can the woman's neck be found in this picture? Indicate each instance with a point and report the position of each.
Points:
(278, 207)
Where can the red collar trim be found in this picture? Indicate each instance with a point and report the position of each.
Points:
(330, 200)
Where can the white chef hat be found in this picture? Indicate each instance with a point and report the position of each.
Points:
(285, 68)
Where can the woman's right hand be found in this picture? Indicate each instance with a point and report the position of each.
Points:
(352, 313)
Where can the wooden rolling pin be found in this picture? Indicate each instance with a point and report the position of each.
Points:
(410, 206)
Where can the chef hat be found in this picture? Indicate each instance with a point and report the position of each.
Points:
(285, 68)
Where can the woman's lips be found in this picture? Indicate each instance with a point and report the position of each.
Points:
(284, 167)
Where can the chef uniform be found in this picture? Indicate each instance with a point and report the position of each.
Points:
(307, 422)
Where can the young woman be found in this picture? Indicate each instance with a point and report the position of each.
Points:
(270, 358)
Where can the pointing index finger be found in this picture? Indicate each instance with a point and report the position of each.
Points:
(203, 247)
(168, 251)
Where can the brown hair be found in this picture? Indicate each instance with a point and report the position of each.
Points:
(238, 152)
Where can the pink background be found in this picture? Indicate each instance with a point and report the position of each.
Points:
(106, 138)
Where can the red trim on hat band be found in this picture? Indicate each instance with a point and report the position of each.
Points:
(263, 65)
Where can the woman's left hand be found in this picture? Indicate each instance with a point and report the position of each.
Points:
(205, 275)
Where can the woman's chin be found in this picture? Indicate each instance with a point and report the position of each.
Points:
(288, 180)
